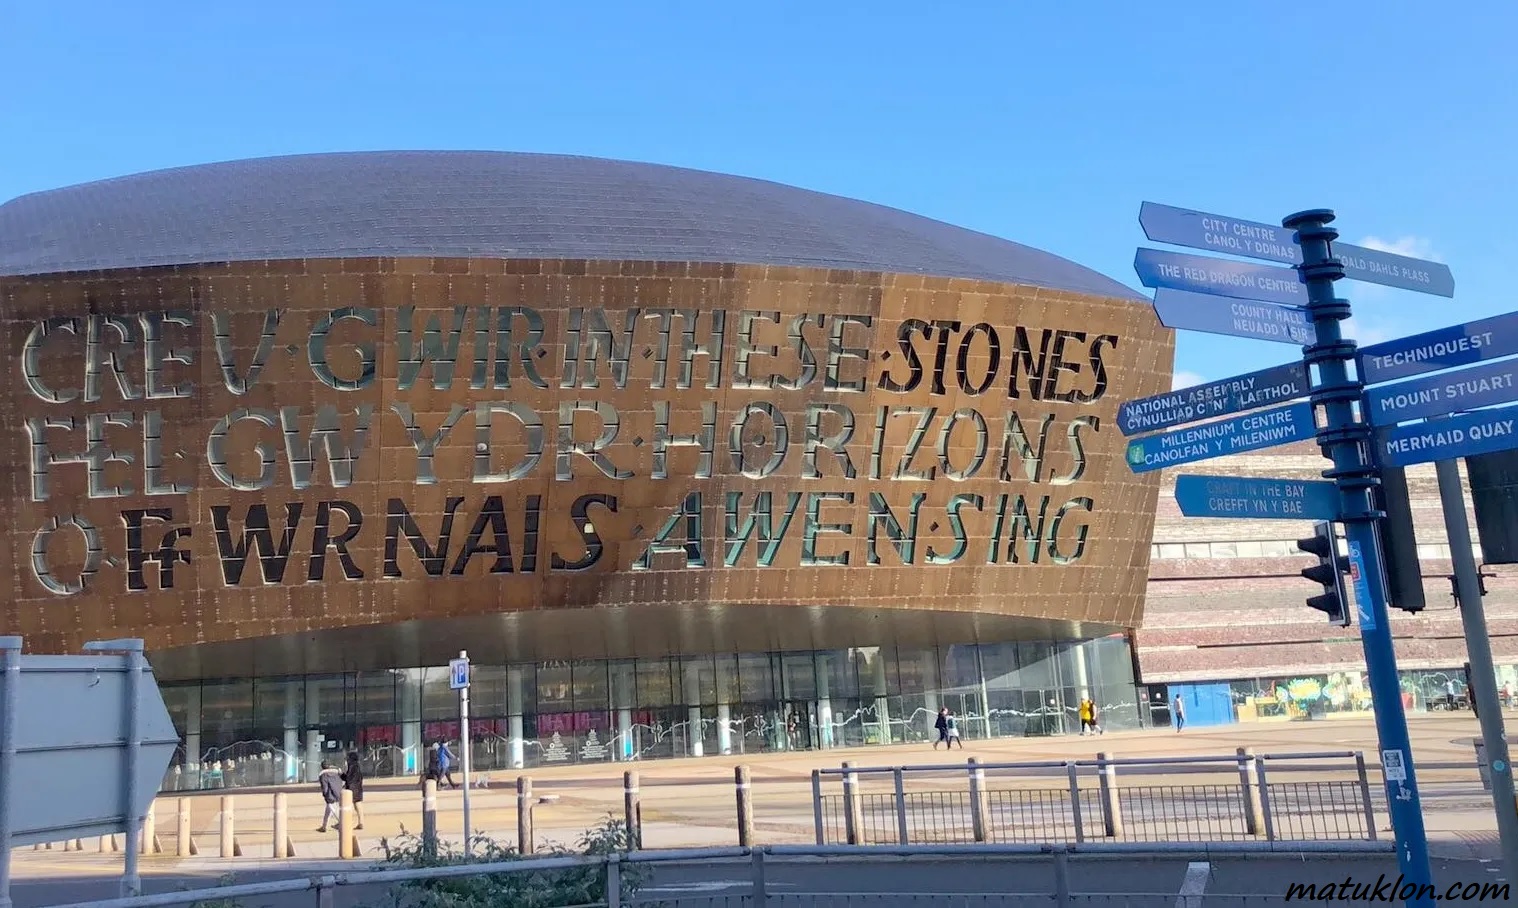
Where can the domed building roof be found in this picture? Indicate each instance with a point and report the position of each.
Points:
(497, 205)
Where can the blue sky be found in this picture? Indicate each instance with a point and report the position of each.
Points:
(1042, 123)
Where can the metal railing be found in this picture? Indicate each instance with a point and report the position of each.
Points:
(750, 885)
(1154, 799)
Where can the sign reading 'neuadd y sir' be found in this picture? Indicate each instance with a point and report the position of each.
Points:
(1233, 317)
(1220, 398)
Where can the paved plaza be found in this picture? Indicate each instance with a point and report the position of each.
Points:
(691, 802)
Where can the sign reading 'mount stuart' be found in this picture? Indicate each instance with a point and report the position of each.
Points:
(1443, 394)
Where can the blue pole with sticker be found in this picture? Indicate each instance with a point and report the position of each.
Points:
(1346, 440)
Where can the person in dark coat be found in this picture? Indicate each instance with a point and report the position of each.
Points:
(353, 780)
(942, 726)
(331, 782)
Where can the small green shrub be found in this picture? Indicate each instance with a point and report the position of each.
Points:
(538, 889)
(226, 879)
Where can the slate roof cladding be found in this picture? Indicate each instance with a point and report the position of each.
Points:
(498, 205)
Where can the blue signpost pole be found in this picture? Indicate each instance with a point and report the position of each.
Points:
(1347, 442)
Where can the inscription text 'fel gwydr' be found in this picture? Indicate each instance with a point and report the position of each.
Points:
(109, 392)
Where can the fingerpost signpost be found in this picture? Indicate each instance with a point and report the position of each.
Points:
(1298, 304)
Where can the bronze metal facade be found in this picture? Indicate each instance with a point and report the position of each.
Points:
(555, 459)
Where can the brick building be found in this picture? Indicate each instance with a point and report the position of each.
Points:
(1225, 611)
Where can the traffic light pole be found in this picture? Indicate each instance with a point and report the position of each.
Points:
(1346, 440)
(1483, 686)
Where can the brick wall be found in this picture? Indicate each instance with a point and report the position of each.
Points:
(1213, 617)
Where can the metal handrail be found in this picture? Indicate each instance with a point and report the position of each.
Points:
(1221, 759)
(785, 852)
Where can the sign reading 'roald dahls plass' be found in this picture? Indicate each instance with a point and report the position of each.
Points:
(499, 400)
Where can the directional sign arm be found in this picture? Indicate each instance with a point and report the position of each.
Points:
(1252, 239)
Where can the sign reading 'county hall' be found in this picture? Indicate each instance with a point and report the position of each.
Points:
(277, 444)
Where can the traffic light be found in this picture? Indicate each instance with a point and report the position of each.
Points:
(1404, 575)
(1328, 573)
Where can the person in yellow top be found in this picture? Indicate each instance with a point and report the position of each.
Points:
(1087, 711)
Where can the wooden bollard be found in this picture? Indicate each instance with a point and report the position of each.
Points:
(429, 816)
(524, 815)
(184, 844)
(979, 804)
(281, 841)
(1254, 810)
(745, 797)
(151, 844)
(347, 846)
(1112, 808)
(853, 805)
(229, 846)
(632, 806)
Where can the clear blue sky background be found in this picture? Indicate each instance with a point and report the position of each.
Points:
(1043, 123)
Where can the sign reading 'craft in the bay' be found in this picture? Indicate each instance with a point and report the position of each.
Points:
(1443, 394)
(1248, 497)
(1220, 398)
(1482, 432)
(1250, 432)
(1233, 317)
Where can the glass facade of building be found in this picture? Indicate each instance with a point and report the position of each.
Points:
(275, 730)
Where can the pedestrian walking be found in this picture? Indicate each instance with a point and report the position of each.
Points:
(1178, 713)
(942, 727)
(1087, 711)
(331, 785)
(953, 732)
(445, 764)
(353, 780)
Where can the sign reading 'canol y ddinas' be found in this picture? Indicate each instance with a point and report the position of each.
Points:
(199, 420)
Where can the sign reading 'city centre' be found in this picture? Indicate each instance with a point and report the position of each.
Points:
(163, 405)
(1217, 233)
